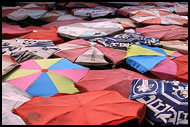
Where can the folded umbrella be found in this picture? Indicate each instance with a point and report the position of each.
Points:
(89, 53)
(46, 77)
(113, 79)
(166, 100)
(92, 108)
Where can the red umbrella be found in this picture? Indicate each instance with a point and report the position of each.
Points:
(89, 53)
(169, 32)
(113, 79)
(13, 31)
(45, 34)
(92, 108)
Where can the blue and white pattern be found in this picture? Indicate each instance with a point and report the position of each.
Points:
(125, 39)
(167, 101)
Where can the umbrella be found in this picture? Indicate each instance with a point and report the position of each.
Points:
(157, 16)
(143, 58)
(180, 46)
(7, 9)
(113, 79)
(45, 34)
(46, 77)
(50, 16)
(89, 53)
(169, 32)
(124, 11)
(92, 108)
(167, 101)
(99, 11)
(125, 22)
(123, 40)
(12, 97)
(89, 30)
(13, 31)
(8, 64)
(81, 5)
(30, 10)
(175, 69)
(181, 9)
(24, 49)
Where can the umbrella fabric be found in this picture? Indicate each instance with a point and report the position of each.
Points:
(143, 57)
(180, 46)
(13, 31)
(81, 5)
(24, 49)
(30, 10)
(92, 108)
(128, 9)
(156, 17)
(12, 97)
(89, 30)
(8, 64)
(89, 53)
(125, 22)
(169, 32)
(59, 23)
(99, 11)
(65, 15)
(181, 9)
(6, 10)
(46, 77)
(45, 34)
(123, 40)
(167, 101)
(112, 79)
(50, 16)
(170, 70)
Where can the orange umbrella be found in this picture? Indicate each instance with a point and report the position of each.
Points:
(92, 108)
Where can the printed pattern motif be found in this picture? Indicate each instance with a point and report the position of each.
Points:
(167, 101)
(125, 39)
(25, 49)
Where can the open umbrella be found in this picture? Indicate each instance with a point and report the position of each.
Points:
(50, 16)
(30, 10)
(112, 79)
(80, 5)
(157, 16)
(143, 58)
(12, 97)
(89, 30)
(47, 77)
(89, 53)
(44, 34)
(24, 49)
(99, 11)
(92, 108)
(13, 31)
(7, 9)
(8, 64)
(123, 40)
(174, 69)
(167, 101)
(169, 32)
(181, 9)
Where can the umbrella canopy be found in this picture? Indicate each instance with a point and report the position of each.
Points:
(30, 10)
(92, 108)
(180, 46)
(139, 57)
(112, 79)
(123, 40)
(169, 32)
(125, 22)
(99, 11)
(167, 101)
(81, 5)
(45, 34)
(8, 64)
(24, 49)
(128, 9)
(50, 16)
(175, 69)
(7, 9)
(12, 97)
(89, 53)
(89, 30)
(157, 16)
(47, 77)
(13, 31)
(181, 9)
